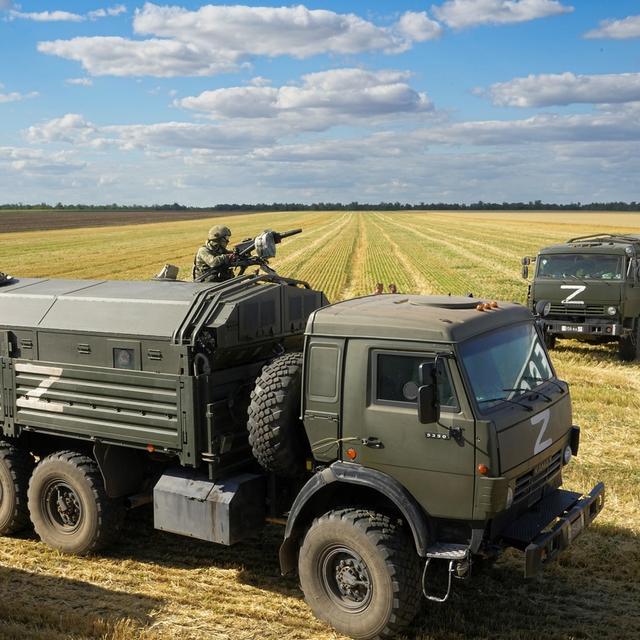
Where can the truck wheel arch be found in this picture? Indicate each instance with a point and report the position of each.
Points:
(325, 491)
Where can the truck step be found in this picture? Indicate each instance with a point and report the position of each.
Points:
(447, 551)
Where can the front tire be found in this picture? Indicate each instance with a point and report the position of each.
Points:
(629, 346)
(69, 507)
(16, 466)
(360, 573)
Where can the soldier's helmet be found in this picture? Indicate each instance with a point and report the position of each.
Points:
(219, 234)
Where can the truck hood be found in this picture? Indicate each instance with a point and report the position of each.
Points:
(578, 294)
(535, 432)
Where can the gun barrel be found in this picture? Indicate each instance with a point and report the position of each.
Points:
(287, 234)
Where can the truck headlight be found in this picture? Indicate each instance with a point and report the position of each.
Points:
(566, 455)
(612, 311)
(509, 497)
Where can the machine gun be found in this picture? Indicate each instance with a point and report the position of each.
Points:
(264, 246)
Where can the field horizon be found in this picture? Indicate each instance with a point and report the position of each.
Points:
(155, 586)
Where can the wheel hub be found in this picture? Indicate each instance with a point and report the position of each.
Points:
(346, 579)
(62, 506)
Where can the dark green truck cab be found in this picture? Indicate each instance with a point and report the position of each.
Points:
(392, 433)
(589, 289)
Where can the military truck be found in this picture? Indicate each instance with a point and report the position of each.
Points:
(590, 290)
(390, 435)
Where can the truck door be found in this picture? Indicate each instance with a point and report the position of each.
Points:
(381, 425)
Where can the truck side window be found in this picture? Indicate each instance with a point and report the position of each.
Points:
(397, 381)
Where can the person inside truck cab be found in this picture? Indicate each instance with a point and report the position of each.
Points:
(212, 262)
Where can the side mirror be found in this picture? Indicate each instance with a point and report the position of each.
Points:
(525, 271)
(428, 404)
(526, 261)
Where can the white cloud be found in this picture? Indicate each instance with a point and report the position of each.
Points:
(37, 162)
(322, 100)
(83, 82)
(418, 26)
(71, 127)
(62, 16)
(109, 12)
(216, 38)
(628, 27)
(46, 16)
(116, 56)
(461, 14)
(566, 88)
(14, 96)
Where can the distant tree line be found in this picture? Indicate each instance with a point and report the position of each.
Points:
(536, 205)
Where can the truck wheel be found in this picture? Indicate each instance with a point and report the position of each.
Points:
(69, 507)
(359, 573)
(276, 434)
(16, 466)
(550, 341)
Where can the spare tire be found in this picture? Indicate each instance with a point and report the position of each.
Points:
(276, 434)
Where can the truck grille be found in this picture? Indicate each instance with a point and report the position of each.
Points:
(538, 476)
(577, 310)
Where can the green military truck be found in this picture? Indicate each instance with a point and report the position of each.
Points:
(389, 434)
(589, 289)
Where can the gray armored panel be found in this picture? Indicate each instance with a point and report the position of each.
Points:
(225, 512)
(124, 308)
(126, 407)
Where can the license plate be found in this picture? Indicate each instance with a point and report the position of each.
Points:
(571, 327)
(576, 527)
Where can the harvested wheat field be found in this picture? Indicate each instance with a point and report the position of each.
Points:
(154, 585)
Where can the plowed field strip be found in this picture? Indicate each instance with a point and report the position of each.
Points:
(355, 283)
(456, 248)
(328, 268)
(416, 283)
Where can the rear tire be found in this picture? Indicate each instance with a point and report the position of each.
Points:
(69, 507)
(16, 466)
(360, 573)
(276, 434)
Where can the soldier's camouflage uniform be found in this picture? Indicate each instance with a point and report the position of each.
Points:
(212, 256)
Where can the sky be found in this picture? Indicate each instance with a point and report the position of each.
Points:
(410, 101)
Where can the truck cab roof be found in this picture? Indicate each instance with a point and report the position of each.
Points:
(413, 317)
(602, 243)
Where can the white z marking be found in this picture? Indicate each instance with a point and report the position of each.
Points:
(543, 418)
(579, 288)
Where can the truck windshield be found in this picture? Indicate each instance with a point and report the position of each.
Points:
(505, 364)
(581, 266)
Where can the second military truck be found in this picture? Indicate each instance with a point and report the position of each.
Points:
(589, 288)
(387, 433)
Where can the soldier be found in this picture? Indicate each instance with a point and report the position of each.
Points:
(213, 258)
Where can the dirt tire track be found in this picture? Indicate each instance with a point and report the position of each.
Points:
(355, 279)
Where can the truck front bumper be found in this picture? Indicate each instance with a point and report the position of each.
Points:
(552, 525)
(592, 327)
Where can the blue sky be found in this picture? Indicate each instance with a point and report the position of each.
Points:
(453, 101)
